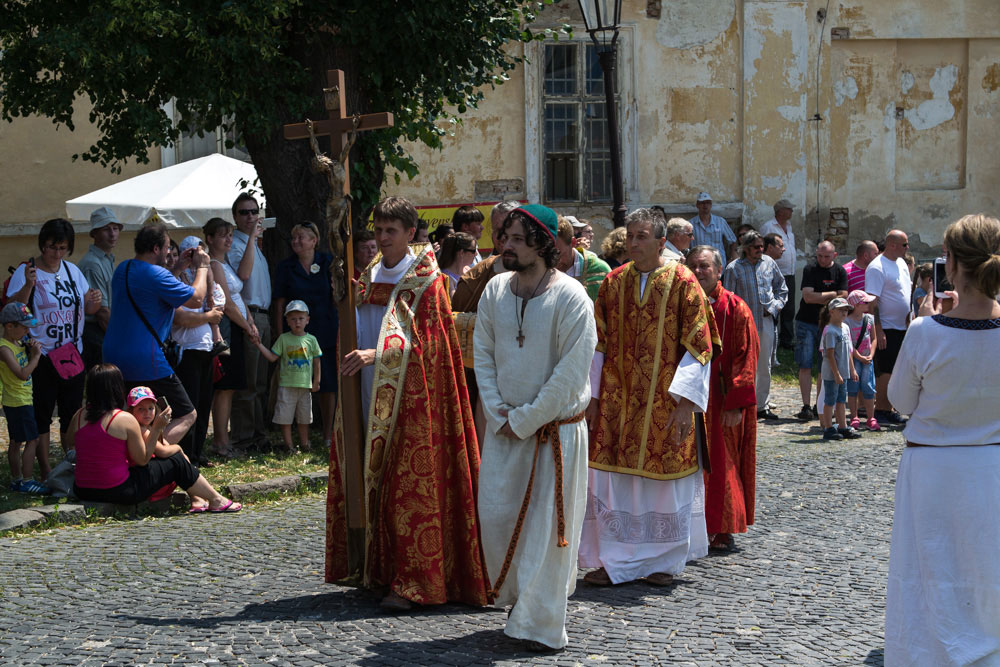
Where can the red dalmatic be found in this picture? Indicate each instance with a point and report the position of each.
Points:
(731, 486)
(421, 457)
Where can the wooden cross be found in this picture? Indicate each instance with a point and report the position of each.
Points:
(337, 126)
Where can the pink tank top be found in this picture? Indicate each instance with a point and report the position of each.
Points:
(101, 459)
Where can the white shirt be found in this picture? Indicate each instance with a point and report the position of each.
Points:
(787, 261)
(945, 378)
(890, 282)
(57, 306)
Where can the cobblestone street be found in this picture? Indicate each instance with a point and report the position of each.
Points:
(806, 585)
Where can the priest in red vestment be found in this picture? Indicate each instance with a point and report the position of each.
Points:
(732, 433)
(421, 459)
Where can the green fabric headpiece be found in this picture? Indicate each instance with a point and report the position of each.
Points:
(544, 216)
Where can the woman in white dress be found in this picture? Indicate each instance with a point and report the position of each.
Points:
(943, 598)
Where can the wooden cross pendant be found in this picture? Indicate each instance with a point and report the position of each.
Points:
(520, 338)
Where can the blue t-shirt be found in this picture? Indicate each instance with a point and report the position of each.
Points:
(128, 343)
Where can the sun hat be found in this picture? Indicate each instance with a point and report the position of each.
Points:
(16, 312)
(138, 395)
(703, 196)
(103, 217)
(189, 242)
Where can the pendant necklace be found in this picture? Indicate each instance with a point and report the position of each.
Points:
(524, 304)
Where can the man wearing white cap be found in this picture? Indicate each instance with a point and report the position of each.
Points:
(97, 266)
(711, 229)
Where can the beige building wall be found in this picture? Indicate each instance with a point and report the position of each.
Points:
(38, 176)
(888, 110)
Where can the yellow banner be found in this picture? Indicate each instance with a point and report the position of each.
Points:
(442, 215)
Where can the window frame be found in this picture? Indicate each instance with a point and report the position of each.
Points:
(535, 98)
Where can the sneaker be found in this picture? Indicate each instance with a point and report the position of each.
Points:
(832, 434)
(806, 413)
(873, 425)
(766, 413)
(849, 433)
(890, 417)
(15, 484)
(855, 423)
(31, 486)
(815, 412)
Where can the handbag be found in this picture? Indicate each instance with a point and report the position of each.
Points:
(171, 350)
(66, 358)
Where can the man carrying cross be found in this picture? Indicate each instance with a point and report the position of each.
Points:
(534, 341)
(421, 459)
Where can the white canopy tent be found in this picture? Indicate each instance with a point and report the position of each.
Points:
(185, 195)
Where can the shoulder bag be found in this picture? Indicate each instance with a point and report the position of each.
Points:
(171, 350)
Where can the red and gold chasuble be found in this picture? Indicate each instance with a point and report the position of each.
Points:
(421, 458)
(730, 489)
(643, 338)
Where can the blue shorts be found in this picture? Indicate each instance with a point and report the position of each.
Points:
(834, 393)
(806, 343)
(21, 425)
(866, 380)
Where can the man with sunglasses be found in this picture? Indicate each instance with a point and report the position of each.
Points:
(887, 278)
(248, 423)
(757, 280)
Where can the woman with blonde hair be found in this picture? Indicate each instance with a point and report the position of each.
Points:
(613, 250)
(943, 597)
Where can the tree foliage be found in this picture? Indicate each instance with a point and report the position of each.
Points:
(253, 65)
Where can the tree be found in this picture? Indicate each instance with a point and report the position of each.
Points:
(254, 65)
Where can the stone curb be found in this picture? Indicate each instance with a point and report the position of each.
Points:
(75, 512)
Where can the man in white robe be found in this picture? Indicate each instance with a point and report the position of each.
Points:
(645, 507)
(534, 341)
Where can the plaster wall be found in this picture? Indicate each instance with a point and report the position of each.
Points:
(893, 115)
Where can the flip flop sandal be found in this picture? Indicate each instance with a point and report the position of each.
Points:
(231, 506)
(197, 510)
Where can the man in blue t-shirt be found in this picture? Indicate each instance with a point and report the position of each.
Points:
(144, 284)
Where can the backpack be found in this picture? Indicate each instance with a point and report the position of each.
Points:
(4, 299)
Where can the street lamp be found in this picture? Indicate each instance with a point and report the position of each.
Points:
(602, 19)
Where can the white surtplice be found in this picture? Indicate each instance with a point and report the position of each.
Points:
(544, 381)
(636, 526)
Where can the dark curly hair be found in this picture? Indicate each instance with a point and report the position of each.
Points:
(535, 236)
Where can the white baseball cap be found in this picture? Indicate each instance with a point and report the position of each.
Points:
(703, 196)
(297, 307)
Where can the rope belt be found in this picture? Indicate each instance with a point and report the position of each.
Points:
(548, 432)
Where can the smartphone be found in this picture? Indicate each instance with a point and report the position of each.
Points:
(941, 282)
(162, 403)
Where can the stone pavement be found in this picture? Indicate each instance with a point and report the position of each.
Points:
(806, 586)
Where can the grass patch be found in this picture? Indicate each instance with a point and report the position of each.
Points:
(256, 467)
(787, 373)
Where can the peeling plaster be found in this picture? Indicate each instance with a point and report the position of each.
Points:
(992, 79)
(906, 82)
(939, 109)
(844, 90)
(889, 118)
(794, 112)
(687, 23)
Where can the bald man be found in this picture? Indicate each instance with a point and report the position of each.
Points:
(822, 281)
(887, 278)
(865, 253)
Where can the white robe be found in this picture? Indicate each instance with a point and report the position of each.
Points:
(636, 526)
(544, 381)
(370, 323)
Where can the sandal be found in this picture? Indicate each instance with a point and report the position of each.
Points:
(230, 506)
(659, 579)
(598, 577)
(197, 509)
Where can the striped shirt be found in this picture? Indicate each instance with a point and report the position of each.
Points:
(717, 234)
(761, 285)
(855, 276)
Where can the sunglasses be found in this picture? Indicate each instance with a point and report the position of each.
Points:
(248, 211)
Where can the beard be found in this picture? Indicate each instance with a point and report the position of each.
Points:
(512, 263)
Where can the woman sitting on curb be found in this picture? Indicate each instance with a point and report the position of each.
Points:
(107, 438)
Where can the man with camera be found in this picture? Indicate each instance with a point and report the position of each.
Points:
(144, 295)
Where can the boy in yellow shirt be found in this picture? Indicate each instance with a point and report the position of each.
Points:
(19, 356)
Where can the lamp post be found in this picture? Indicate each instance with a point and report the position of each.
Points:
(602, 19)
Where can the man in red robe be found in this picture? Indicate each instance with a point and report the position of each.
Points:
(421, 459)
(732, 430)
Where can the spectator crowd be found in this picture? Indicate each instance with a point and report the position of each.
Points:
(625, 385)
